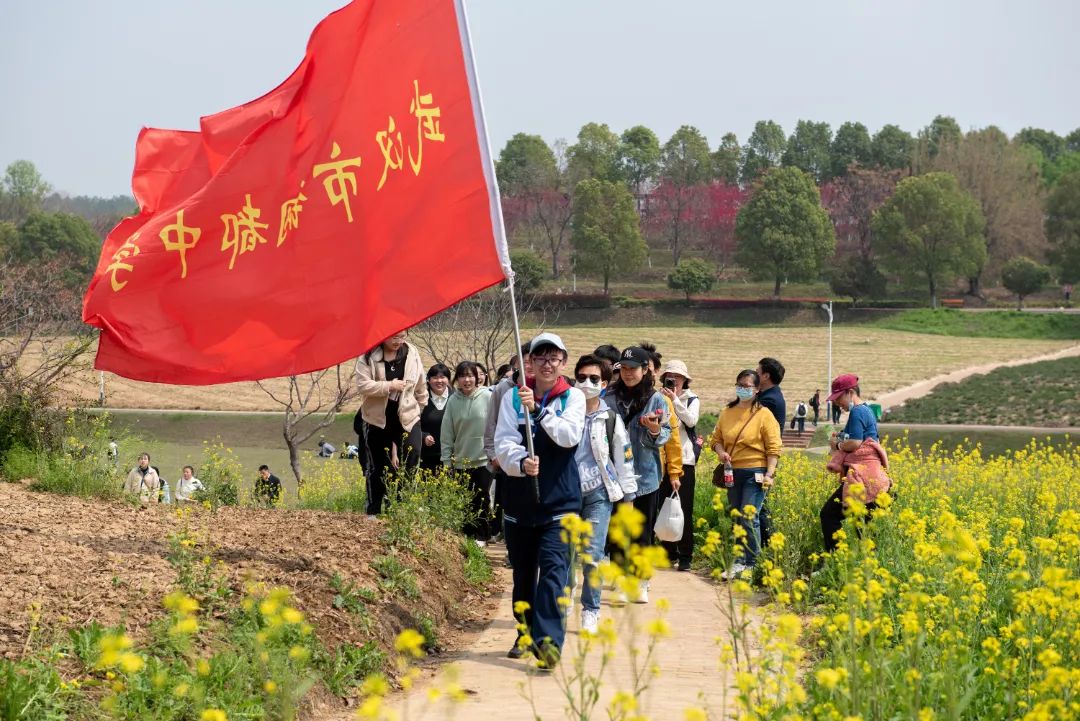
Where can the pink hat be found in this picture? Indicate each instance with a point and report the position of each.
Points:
(842, 384)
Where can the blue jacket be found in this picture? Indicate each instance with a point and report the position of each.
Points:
(646, 448)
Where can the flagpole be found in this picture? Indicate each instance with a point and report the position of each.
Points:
(498, 225)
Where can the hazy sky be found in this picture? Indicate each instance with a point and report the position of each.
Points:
(78, 79)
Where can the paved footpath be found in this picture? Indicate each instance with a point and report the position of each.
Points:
(688, 659)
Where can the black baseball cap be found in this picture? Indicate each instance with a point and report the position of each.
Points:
(635, 357)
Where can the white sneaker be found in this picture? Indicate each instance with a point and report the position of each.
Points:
(620, 597)
(590, 620)
(481, 544)
(737, 569)
(643, 592)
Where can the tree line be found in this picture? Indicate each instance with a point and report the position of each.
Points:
(860, 210)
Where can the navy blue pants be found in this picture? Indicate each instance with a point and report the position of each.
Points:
(541, 561)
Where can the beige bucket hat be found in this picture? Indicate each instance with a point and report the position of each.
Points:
(677, 366)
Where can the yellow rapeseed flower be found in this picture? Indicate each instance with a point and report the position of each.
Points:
(410, 642)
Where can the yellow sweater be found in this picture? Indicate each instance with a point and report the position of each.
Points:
(761, 437)
(671, 453)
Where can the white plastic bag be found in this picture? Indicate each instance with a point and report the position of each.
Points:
(669, 524)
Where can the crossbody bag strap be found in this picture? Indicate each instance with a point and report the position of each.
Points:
(731, 450)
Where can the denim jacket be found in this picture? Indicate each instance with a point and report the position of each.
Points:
(646, 448)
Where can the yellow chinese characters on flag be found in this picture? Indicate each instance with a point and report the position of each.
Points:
(300, 229)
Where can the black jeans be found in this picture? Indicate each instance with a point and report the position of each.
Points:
(541, 561)
(832, 517)
(682, 551)
(380, 443)
(478, 481)
(649, 505)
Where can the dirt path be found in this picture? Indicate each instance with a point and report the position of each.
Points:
(688, 660)
(922, 388)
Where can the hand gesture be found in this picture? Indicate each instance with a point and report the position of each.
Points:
(528, 400)
(668, 392)
(725, 457)
(397, 386)
(531, 466)
(651, 421)
(767, 481)
(676, 484)
(429, 440)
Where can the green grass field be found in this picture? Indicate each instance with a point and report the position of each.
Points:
(1037, 394)
(992, 324)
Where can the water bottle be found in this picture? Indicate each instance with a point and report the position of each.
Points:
(729, 475)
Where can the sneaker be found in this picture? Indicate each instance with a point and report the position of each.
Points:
(516, 651)
(643, 592)
(684, 564)
(590, 620)
(481, 544)
(737, 569)
(620, 598)
(547, 656)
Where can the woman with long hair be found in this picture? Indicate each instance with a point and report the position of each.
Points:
(747, 437)
(390, 379)
(644, 413)
(462, 444)
(438, 381)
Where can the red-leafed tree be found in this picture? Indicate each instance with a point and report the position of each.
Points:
(851, 201)
(677, 216)
(724, 201)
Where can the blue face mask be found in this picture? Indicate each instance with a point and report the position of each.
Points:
(744, 393)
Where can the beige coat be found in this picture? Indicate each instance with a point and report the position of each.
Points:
(375, 389)
(145, 487)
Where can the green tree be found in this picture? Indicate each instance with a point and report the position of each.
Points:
(1004, 179)
(639, 156)
(529, 270)
(1072, 141)
(852, 145)
(9, 238)
(1066, 163)
(808, 149)
(942, 131)
(595, 154)
(1024, 276)
(930, 229)
(856, 276)
(605, 234)
(43, 237)
(892, 147)
(782, 232)
(1049, 143)
(525, 164)
(22, 191)
(763, 150)
(1063, 227)
(726, 159)
(692, 276)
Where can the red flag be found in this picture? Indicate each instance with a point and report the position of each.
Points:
(299, 230)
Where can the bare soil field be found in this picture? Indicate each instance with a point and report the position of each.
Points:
(65, 562)
(884, 359)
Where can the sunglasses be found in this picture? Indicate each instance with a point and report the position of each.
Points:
(594, 379)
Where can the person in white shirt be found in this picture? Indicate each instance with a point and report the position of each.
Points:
(676, 386)
(188, 484)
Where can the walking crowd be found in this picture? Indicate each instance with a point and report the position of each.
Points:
(534, 445)
(618, 426)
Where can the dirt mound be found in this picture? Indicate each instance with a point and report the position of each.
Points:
(65, 562)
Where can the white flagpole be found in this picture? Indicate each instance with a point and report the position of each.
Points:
(497, 224)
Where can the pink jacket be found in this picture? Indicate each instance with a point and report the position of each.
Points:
(868, 464)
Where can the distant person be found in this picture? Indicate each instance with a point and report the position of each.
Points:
(609, 353)
(676, 386)
(1067, 289)
(504, 371)
(438, 381)
(482, 372)
(462, 445)
(771, 373)
(858, 457)
(188, 485)
(164, 488)
(267, 486)
(815, 405)
(672, 453)
(747, 437)
(836, 411)
(800, 417)
(113, 454)
(390, 379)
(143, 481)
(326, 450)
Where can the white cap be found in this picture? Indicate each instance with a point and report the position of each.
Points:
(547, 339)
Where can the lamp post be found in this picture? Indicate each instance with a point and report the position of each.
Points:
(827, 307)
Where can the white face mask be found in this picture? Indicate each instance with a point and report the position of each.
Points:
(590, 389)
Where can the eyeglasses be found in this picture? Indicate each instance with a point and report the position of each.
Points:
(551, 361)
(594, 379)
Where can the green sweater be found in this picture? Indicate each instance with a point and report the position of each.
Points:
(463, 423)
